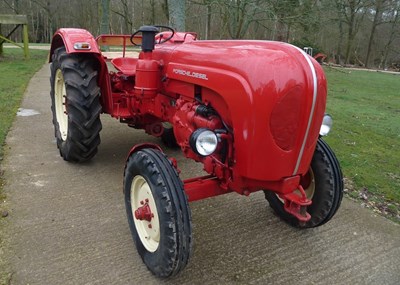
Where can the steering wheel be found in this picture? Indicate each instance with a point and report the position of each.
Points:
(161, 41)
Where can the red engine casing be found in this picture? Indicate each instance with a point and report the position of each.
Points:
(272, 94)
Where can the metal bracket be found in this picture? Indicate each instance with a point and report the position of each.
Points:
(297, 205)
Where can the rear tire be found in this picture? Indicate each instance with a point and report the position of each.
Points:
(164, 238)
(325, 189)
(75, 103)
(168, 137)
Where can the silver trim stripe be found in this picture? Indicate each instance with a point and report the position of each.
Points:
(315, 91)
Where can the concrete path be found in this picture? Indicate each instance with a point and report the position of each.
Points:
(67, 222)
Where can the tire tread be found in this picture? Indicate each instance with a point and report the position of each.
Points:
(83, 105)
(175, 250)
(327, 201)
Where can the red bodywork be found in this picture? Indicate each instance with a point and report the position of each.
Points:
(268, 98)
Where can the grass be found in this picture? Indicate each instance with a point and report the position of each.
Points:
(15, 73)
(366, 135)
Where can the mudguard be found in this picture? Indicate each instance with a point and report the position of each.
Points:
(141, 146)
(68, 37)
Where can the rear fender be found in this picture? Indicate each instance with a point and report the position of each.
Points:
(67, 37)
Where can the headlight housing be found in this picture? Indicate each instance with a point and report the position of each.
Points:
(326, 125)
(203, 141)
(82, 46)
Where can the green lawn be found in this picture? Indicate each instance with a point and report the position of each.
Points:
(366, 134)
(15, 73)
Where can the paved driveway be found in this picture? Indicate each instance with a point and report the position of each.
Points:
(67, 222)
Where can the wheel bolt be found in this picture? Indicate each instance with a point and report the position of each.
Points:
(147, 200)
(150, 226)
(141, 203)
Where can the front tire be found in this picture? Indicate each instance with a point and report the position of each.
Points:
(323, 184)
(158, 212)
(75, 104)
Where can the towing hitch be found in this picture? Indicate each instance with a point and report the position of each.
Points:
(297, 205)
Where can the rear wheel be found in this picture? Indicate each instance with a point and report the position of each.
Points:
(323, 184)
(75, 105)
(158, 212)
(168, 137)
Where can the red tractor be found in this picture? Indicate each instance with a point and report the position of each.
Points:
(252, 112)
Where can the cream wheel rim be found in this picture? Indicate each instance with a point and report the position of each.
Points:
(60, 96)
(148, 230)
(310, 190)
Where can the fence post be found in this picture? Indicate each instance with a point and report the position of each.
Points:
(18, 20)
(1, 44)
(25, 40)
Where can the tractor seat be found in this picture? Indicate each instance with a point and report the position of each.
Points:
(127, 65)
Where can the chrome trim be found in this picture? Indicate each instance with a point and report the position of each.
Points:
(315, 91)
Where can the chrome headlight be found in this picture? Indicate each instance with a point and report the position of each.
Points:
(326, 125)
(203, 141)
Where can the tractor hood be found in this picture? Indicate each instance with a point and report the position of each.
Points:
(271, 94)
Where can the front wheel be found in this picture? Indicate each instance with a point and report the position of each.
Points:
(323, 184)
(158, 212)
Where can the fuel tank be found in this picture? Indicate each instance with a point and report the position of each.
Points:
(271, 94)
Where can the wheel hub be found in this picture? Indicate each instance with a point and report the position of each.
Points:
(144, 213)
(144, 210)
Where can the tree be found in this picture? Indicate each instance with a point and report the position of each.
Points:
(394, 16)
(124, 11)
(208, 14)
(375, 23)
(367, 30)
(240, 16)
(340, 21)
(354, 12)
(105, 17)
(285, 14)
(177, 14)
